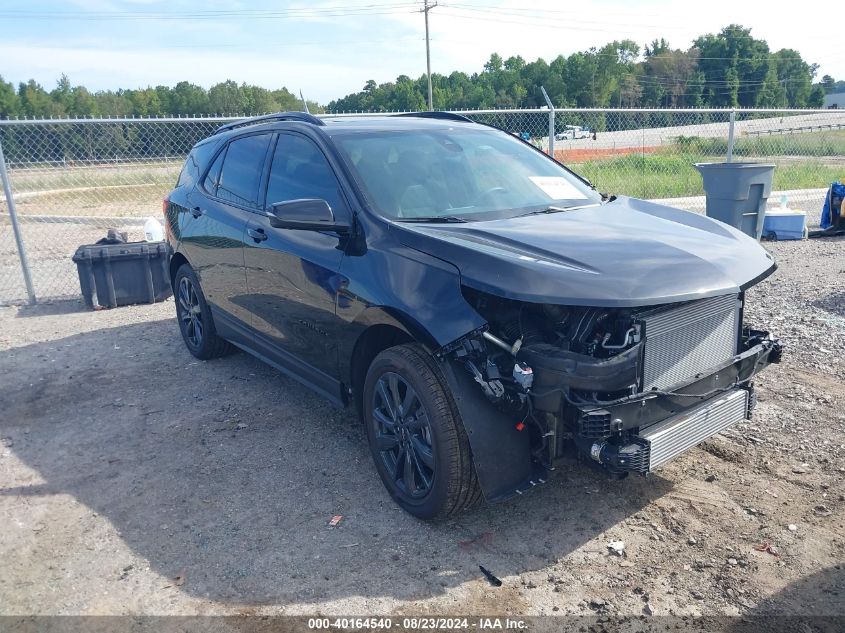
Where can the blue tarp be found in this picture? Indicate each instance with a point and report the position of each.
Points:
(835, 194)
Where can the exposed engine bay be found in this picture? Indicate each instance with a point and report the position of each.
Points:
(628, 388)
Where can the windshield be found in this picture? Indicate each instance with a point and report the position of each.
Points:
(471, 174)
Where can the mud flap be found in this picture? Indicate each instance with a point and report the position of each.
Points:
(502, 454)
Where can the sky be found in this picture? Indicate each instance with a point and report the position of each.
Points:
(329, 48)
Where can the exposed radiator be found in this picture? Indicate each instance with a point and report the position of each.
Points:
(671, 437)
(688, 340)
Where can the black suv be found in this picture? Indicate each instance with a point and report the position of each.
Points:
(484, 308)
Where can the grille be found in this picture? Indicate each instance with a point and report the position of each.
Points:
(672, 437)
(688, 340)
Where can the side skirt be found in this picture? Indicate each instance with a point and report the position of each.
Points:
(242, 337)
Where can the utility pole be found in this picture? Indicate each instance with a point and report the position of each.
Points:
(426, 8)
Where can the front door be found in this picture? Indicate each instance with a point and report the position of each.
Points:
(292, 275)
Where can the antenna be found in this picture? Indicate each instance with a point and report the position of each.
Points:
(304, 102)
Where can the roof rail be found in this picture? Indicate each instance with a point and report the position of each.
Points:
(267, 118)
(438, 114)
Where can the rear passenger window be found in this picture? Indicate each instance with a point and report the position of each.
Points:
(242, 166)
(300, 170)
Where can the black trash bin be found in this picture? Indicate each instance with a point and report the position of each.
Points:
(737, 193)
(112, 275)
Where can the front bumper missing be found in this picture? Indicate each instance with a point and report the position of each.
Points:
(659, 443)
(648, 408)
(668, 439)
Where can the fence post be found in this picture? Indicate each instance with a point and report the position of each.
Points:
(551, 122)
(731, 125)
(13, 216)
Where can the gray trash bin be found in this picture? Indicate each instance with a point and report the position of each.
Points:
(737, 193)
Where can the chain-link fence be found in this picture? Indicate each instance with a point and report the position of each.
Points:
(73, 179)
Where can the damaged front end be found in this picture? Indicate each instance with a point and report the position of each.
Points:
(627, 388)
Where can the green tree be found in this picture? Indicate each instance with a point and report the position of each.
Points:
(189, 99)
(227, 98)
(10, 104)
(771, 92)
(494, 64)
(795, 76)
(35, 102)
(83, 103)
(816, 98)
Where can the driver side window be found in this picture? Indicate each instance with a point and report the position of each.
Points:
(300, 170)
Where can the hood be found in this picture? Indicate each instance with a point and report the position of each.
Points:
(625, 253)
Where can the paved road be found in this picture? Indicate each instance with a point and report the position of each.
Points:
(651, 137)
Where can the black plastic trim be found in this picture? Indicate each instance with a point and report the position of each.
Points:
(501, 452)
(243, 337)
(651, 407)
(437, 114)
(759, 278)
(303, 117)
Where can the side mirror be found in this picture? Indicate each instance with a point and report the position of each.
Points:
(308, 214)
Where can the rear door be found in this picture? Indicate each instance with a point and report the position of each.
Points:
(228, 195)
(292, 275)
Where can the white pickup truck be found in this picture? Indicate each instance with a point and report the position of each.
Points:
(572, 132)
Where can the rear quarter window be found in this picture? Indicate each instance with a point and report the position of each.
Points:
(195, 164)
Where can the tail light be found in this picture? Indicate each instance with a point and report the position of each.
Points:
(168, 232)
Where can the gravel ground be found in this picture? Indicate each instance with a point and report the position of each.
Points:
(137, 480)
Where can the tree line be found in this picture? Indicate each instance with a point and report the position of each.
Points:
(731, 69)
(728, 69)
(31, 100)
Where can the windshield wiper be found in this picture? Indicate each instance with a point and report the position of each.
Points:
(554, 209)
(445, 219)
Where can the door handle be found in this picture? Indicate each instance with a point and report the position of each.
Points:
(257, 234)
(197, 212)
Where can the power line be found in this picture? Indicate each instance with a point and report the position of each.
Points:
(250, 14)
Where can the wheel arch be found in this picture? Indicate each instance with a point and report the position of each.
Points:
(176, 262)
(377, 329)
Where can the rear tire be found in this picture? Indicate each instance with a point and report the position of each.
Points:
(416, 436)
(194, 316)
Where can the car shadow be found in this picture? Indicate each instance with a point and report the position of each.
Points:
(812, 603)
(834, 303)
(60, 306)
(231, 471)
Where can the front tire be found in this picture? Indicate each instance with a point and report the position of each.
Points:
(194, 316)
(416, 437)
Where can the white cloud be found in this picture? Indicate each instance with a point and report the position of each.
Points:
(96, 68)
(336, 55)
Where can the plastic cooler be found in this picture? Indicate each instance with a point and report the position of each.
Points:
(784, 224)
(112, 275)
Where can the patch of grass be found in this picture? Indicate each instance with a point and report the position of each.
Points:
(671, 175)
(825, 143)
(75, 176)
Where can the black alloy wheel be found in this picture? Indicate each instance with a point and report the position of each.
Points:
(190, 312)
(418, 442)
(403, 435)
(195, 321)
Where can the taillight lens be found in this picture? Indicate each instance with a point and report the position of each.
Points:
(168, 233)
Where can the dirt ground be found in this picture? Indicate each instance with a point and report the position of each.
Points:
(137, 480)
